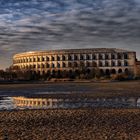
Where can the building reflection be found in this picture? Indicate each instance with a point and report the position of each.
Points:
(42, 103)
(36, 102)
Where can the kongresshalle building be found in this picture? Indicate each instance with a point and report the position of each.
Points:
(107, 60)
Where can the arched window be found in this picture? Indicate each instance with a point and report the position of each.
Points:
(48, 72)
(77, 72)
(43, 59)
(81, 57)
(101, 71)
(113, 71)
(75, 64)
(70, 72)
(43, 72)
(69, 64)
(82, 64)
(38, 59)
(126, 71)
(88, 64)
(106, 64)
(119, 56)
(87, 57)
(63, 65)
(106, 56)
(58, 65)
(34, 59)
(125, 56)
(125, 63)
(53, 65)
(107, 72)
(88, 71)
(119, 63)
(59, 73)
(47, 58)
(75, 57)
(47, 65)
(38, 72)
(42, 65)
(113, 63)
(94, 57)
(120, 71)
(100, 56)
(58, 58)
(52, 58)
(112, 56)
(53, 72)
(94, 64)
(100, 64)
(63, 58)
(69, 57)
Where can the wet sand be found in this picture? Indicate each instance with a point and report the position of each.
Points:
(128, 88)
(71, 124)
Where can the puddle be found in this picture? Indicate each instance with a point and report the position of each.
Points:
(41, 102)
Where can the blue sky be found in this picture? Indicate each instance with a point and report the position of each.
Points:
(27, 25)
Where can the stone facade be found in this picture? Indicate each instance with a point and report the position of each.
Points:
(137, 69)
(107, 60)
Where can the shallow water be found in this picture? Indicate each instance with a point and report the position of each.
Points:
(36, 101)
(6, 103)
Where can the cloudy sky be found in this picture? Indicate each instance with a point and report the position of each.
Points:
(27, 25)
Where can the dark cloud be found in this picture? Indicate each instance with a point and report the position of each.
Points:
(53, 24)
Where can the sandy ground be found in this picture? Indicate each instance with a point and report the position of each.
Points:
(70, 124)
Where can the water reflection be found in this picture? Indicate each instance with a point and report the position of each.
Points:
(23, 102)
(6, 103)
(37, 103)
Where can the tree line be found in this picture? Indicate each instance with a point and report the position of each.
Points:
(15, 73)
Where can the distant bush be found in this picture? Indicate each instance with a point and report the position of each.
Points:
(121, 77)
